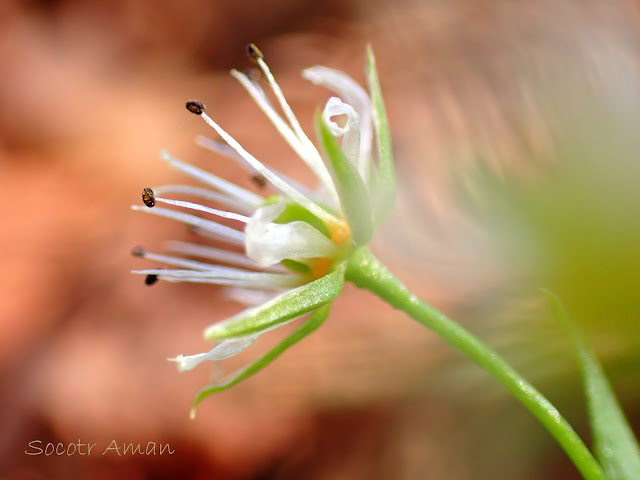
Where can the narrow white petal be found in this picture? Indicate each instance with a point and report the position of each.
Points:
(249, 198)
(268, 243)
(278, 182)
(225, 349)
(221, 232)
(206, 194)
(202, 208)
(350, 132)
(356, 96)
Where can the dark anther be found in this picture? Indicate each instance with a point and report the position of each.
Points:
(254, 52)
(259, 180)
(151, 279)
(148, 197)
(138, 252)
(195, 106)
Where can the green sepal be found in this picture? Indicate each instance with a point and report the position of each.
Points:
(351, 188)
(290, 304)
(310, 325)
(385, 181)
(614, 444)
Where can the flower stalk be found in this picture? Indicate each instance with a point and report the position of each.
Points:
(365, 271)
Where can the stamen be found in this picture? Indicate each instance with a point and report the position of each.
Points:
(259, 180)
(283, 186)
(202, 208)
(195, 107)
(228, 276)
(225, 150)
(216, 230)
(217, 255)
(150, 279)
(138, 252)
(305, 150)
(254, 52)
(250, 199)
(188, 264)
(206, 194)
(148, 197)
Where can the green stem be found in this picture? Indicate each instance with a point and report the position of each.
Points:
(366, 271)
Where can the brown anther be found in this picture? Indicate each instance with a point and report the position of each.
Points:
(254, 52)
(259, 180)
(150, 279)
(195, 107)
(148, 197)
(138, 251)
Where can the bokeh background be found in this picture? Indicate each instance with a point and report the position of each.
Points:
(515, 129)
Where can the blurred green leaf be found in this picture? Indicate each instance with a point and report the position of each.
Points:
(290, 304)
(310, 325)
(614, 443)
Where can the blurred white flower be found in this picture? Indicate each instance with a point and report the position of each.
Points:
(290, 239)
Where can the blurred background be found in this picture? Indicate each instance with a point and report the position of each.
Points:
(515, 129)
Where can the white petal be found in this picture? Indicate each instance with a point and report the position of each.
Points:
(350, 132)
(225, 349)
(268, 243)
(356, 96)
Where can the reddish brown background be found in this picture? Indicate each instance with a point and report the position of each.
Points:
(90, 92)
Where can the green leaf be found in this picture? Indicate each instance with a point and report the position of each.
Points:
(310, 325)
(613, 441)
(290, 304)
(352, 191)
(385, 191)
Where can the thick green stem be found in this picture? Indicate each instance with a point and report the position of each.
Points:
(365, 271)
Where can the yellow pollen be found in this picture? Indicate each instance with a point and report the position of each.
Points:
(339, 231)
(319, 266)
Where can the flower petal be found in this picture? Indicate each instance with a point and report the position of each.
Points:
(225, 349)
(350, 133)
(268, 243)
(353, 94)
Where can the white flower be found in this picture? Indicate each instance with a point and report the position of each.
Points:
(300, 236)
